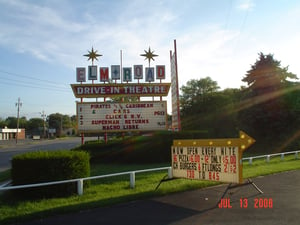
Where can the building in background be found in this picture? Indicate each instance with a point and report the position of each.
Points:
(10, 134)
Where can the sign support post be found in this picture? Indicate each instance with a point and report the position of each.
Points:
(230, 186)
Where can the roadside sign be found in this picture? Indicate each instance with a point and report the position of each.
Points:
(210, 159)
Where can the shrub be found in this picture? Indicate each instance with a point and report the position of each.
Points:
(47, 166)
(154, 148)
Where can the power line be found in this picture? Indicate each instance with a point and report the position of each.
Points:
(30, 77)
(33, 83)
(36, 87)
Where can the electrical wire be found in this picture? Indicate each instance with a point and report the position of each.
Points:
(33, 86)
(33, 83)
(29, 77)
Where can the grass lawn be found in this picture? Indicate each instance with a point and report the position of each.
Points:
(114, 190)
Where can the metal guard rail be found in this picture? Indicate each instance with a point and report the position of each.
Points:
(131, 173)
(80, 180)
(268, 157)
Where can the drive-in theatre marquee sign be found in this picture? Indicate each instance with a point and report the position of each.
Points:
(117, 81)
(114, 117)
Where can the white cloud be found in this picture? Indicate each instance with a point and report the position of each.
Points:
(51, 36)
(209, 52)
(246, 5)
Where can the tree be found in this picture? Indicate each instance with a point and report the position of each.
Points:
(266, 75)
(2, 123)
(61, 122)
(55, 121)
(35, 126)
(265, 111)
(205, 108)
(197, 92)
(11, 122)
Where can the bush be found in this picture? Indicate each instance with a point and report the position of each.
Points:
(47, 166)
(154, 148)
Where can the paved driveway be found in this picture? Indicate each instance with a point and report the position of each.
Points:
(278, 205)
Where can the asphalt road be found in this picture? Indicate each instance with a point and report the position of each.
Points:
(278, 205)
(9, 148)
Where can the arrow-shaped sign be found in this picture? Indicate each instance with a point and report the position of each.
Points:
(243, 142)
(210, 159)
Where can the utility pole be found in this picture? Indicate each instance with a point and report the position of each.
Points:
(44, 120)
(18, 104)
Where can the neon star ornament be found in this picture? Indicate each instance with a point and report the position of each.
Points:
(92, 55)
(149, 55)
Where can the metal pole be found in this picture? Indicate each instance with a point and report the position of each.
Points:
(44, 119)
(132, 179)
(177, 87)
(121, 65)
(18, 104)
(80, 187)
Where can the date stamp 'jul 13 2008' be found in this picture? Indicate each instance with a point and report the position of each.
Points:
(257, 203)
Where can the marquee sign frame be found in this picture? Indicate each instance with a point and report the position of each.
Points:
(113, 90)
(210, 159)
(97, 117)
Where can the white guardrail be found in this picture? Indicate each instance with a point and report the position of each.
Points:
(131, 174)
(268, 157)
(79, 181)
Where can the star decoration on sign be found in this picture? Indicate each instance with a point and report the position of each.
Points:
(149, 55)
(92, 55)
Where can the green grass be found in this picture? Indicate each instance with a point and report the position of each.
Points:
(260, 167)
(114, 190)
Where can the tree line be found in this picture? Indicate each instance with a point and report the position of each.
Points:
(35, 126)
(267, 107)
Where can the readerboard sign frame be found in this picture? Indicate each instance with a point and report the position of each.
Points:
(97, 117)
(207, 163)
(210, 159)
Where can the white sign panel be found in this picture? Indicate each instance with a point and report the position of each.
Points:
(115, 72)
(138, 71)
(127, 74)
(206, 163)
(92, 72)
(80, 74)
(160, 72)
(149, 74)
(114, 117)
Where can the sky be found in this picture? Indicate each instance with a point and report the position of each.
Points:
(43, 41)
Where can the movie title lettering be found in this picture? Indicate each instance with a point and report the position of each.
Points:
(112, 117)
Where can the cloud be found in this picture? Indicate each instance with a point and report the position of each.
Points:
(246, 5)
(53, 34)
(209, 52)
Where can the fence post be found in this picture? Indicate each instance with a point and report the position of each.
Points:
(282, 157)
(170, 174)
(132, 179)
(250, 161)
(268, 158)
(80, 187)
(296, 155)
